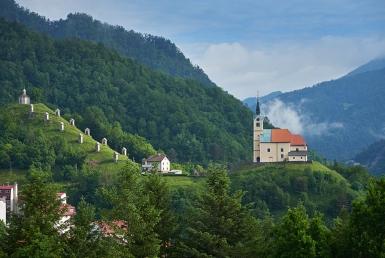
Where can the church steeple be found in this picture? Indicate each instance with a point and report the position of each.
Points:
(258, 109)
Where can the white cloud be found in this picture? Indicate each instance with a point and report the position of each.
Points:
(286, 116)
(243, 70)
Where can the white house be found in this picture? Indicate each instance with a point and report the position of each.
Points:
(68, 210)
(162, 160)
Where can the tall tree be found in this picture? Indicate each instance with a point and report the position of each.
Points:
(218, 225)
(35, 232)
(292, 237)
(135, 214)
(367, 225)
(161, 198)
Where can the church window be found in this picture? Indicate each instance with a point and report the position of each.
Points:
(296, 149)
(268, 149)
(281, 149)
(257, 118)
(293, 157)
(281, 156)
(258, 124)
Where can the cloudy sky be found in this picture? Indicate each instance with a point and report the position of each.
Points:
(247, 46)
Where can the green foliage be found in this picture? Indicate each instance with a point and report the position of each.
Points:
(367, 227)
(218, 225)
(199, 123)
(35, 232)
(133, 208)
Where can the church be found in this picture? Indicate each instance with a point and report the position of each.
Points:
(276, 145)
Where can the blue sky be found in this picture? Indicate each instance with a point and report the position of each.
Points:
(247, 46)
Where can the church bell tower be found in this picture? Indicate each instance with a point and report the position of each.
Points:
(258, 131)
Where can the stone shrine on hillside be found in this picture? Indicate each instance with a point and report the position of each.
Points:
(24, 98)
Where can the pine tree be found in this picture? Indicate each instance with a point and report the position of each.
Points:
(292, 236)
(218, 225)
(35, 232)
(137, 216)
(160, 197)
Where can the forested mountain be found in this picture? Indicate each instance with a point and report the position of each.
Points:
(349, 109)
(373, 158)
(155, 52)
(340, 117)
(180, 116)
(375, 64)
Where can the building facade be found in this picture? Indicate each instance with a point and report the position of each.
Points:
(164, 163)
(276, 145)
(10, 196)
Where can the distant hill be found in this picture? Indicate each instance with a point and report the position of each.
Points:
(341, 117)
(375, 64)
(373, 158)
(156, 52)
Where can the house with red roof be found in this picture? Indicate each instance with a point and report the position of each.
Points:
(276, 145)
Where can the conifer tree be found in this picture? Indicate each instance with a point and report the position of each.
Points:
(160, 197)
(135, 215)
(218, 225)
(35, 232)
(292, 237)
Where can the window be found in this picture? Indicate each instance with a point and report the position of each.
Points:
(293, 157)
(258, 124)
(1, 191)
(281, 149)
(296, 149)
(7, 191)
(268, 149)
(71, 210)
(301, 157)
(281, 156)
(258, 119)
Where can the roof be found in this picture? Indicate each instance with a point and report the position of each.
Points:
(298, 153)
(67, 211)
(157, 158)
(6, 187)
(280, 135)
(296, 140)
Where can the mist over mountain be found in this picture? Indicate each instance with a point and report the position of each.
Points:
(338, 118)
(373, 158)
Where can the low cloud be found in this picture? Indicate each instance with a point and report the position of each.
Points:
(244, 69)
(287, 116)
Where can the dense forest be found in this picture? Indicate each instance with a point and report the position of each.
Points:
(213, 223)
(179, 116)
(373, 158)
(156, 52)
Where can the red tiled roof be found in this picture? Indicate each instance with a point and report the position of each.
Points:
(106, 228)
(67, 210)
(60, 194)
(6, 187)
(280, 135)
(297, 140)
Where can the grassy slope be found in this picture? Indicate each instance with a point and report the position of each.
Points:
(51, 129)
(323, 201)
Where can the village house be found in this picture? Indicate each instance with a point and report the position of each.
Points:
(276, 145)
(68, 211)
(162, 160)
(9, 197)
